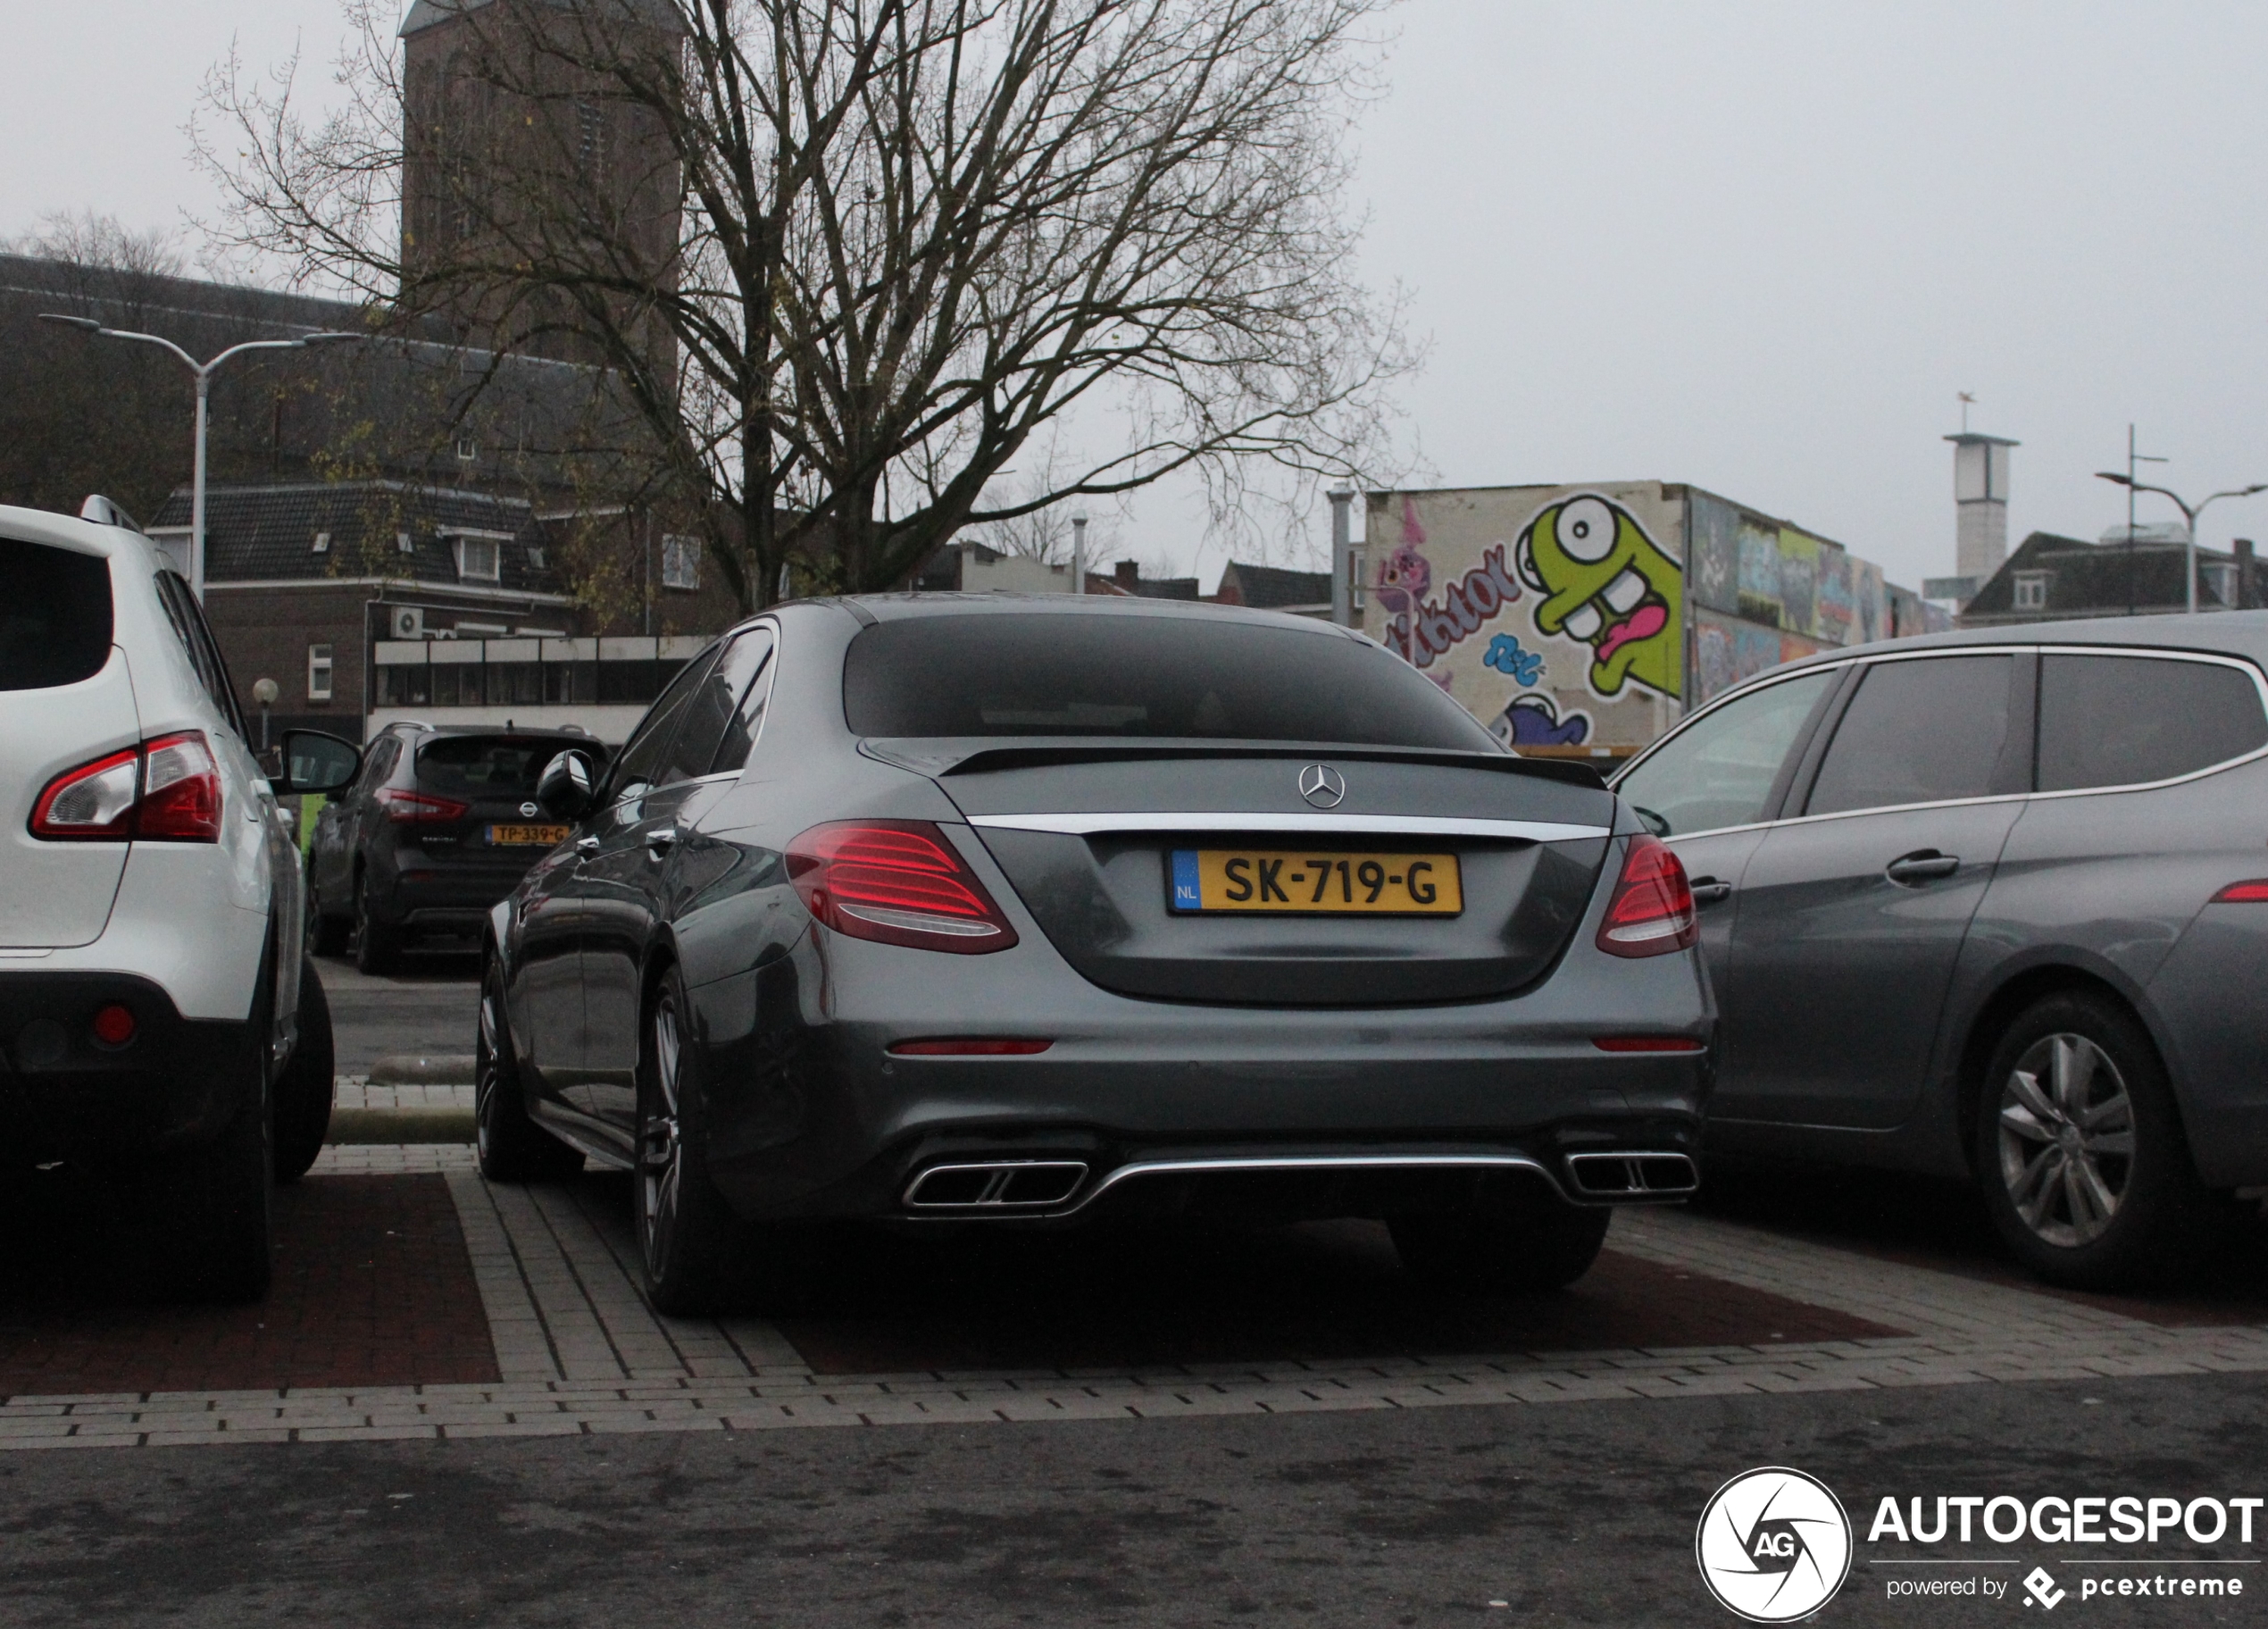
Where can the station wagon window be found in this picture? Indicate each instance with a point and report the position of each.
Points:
(1720, 771)
(2127, 721)
(1924, 731)
(55, 620)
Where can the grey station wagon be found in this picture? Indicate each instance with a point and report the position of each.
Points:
(1996, 903)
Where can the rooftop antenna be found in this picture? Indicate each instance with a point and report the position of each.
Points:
(1967, 402)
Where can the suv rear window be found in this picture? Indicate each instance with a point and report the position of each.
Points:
(490, 765)
(55, 620)
(1136, 676)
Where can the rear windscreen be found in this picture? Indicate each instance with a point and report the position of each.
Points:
(1010, 675)
(488, 766)
(55, 616)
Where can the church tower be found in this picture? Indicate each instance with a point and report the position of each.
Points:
(519, 148)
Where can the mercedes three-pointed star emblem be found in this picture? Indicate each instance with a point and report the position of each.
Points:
(1322, 785)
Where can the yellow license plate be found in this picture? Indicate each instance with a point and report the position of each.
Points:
(1300, 880)
(550, 837)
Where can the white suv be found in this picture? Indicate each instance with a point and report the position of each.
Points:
(158, 1021)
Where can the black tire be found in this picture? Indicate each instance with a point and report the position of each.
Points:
(326, 935)
(2102, 1125)
(697, 1254)
(305, 1087)
(377, 947)
(210, 1210)
(1521, 1243)
(512, 1147)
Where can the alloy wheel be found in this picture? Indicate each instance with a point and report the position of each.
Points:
(484, 1069)
(661, 1155)
(2066, 1137)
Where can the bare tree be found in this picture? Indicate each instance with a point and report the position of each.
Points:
(915, 234)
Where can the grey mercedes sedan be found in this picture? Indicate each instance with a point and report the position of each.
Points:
(1994, 904)
(999, 911)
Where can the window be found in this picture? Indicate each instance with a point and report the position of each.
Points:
(319, 673)
(2127, 721)
(535, 557)
(467, 450)
(640, 765)
(189, 622)
(714, 712)
(1720, 771)
(680, 562)
(323, 543)
(404, 544)
(484, 765)
(480, 559)
(2032, 590)
(1924, 732)
(55, 617)
(1016, 674)
(740, 734)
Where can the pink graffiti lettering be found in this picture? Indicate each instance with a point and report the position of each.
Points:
(1463, 607)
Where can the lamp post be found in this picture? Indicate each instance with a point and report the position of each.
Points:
(202, 372)
(1079, 551)
(2189, 514)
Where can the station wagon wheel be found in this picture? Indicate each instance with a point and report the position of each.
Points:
(510, 1146)
(2066, 1139)
(2081, 1152)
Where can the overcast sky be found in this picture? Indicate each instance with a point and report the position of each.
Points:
(1755, 246)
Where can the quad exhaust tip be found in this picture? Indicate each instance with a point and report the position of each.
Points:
(1632, 1175)
(996, 1185)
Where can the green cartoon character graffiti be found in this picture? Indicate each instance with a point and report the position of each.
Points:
(1605, 582)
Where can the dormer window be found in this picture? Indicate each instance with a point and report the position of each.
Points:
(480, 559)
(680, 562)
(2032, 590)
(323, 543)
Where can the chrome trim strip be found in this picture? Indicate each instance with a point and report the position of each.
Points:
(1324, 825)
(1322, 1162)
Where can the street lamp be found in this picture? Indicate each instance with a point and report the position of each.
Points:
(202, 372)
(2188, 513)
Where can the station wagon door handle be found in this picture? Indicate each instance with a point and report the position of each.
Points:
(1925, 866)
(1709, 890)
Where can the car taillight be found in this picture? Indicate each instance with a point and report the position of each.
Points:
(1651, 913)
(2254, 892)
(419, 808)
(898, 882)
(180, 790)
(167, 790)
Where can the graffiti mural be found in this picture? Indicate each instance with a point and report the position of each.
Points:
(1535, 721)
(1609, 585)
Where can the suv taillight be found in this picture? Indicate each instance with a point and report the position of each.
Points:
(898, 882)
(167, 790)
(1651, 913)
(419, 808)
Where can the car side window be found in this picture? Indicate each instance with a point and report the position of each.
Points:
(641, 762)
(747, 722)
(714, 707)
(180, 605)
(2128, 720)
(1720, 771)
(376, 767)
(1927, 731)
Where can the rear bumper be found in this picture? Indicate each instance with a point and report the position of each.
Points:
(64, 1095)
(1182, 1108)
(451, 899)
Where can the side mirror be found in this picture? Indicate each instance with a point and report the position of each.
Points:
(567, 787)
(313, 761)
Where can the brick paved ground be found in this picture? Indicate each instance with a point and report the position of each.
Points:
(1687, 1304)
(373, 1288)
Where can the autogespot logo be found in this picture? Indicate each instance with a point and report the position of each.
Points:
(1773, 1545)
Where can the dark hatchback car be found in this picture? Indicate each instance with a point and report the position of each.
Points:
(987, 910)
(436, 829)
(1994, 904)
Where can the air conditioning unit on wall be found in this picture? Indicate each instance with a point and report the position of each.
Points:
(406, 622)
